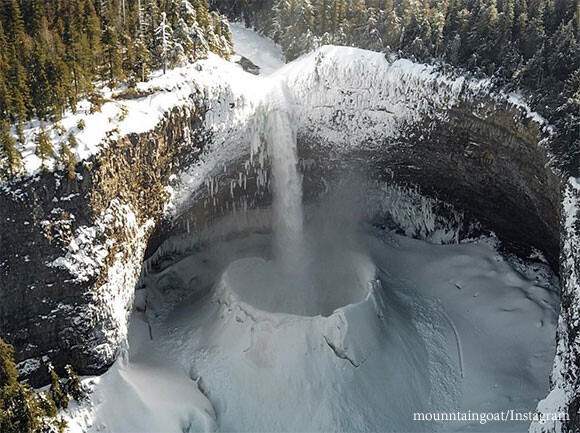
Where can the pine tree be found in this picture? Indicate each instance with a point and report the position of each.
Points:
(8, 372)
(142, 60)
(202, 14)
(5, 96)
(221, 35)
(305, 18)
(72, 141)
(74, 387)
(39, 87)
(51, 58)
(323, 16)
(10, 158)
(92, 26)
(338, 14)
(391, 33)
(183, 43)
(21, 99)
(564, 56)
(21, 409)
(14, 27)
(44, 148)
(200, 45)
(113, 66)
(187, 12)
(163, 34)
(56, 393)
(69, 160)
(19, 413)
(78, 52)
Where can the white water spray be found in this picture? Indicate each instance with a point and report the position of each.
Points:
(280, 136)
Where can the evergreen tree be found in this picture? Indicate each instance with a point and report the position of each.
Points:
(8, 372)
(5, 96)
(74, 386)
(113, 66)
(21, 409)
(187, 12)
(21, 98)
(78, 53)
(142, 60)
(14, 27)
(69, 160)
(44, 148)
(10, 158)
(564, 56)
(72, 141)
(200, 45)
(40, 87)
(202, 14)
(323, 15)
(163, 34)
(220, 39)
(56, 393)
(51, 53)
(183, 43)
(18, 411)
(338, 14)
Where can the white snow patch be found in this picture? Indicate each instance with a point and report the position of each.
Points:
(261, 51)
(476, 329)
(147, 392)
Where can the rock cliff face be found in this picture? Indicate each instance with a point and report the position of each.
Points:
(71, 251)
(565, 375)
(489, 166)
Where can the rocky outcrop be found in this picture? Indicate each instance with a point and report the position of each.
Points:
(71, 250)
(564, 397)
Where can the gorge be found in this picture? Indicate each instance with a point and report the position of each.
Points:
(447, 217)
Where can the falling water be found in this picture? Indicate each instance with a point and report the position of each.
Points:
(287, 188)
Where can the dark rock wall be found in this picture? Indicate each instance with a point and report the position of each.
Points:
(566, 374)
(44, 309)
(493, 168)
(487, 163)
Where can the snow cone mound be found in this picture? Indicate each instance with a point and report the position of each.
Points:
(361, 367)
(264, 285)
(412, 327)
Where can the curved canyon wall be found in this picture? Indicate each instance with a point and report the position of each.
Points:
(71, 251)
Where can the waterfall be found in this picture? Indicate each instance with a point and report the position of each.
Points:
(280, 137)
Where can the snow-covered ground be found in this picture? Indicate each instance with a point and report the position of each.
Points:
(262, 52)
(146, 392)
(441, 328)
(212, 78)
